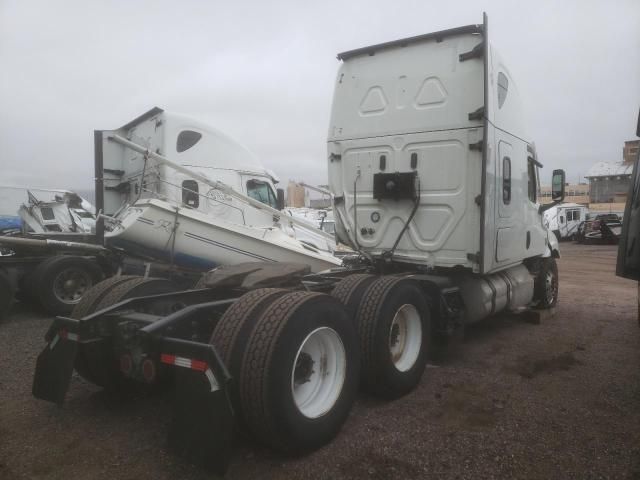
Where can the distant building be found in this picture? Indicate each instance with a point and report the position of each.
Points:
(574, 193)
(324, 202)
(296, 194)
(609, 182)
(630, 151)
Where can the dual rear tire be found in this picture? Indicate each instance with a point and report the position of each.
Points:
(295, 362)
(393, 320)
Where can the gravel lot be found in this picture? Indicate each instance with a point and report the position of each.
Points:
(559, 399)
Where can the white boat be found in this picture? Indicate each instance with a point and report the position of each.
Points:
(147, 229)
(176, 190)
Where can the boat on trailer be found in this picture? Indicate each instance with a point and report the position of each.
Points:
(176, 190)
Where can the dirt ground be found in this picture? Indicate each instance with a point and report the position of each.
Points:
(559, 399)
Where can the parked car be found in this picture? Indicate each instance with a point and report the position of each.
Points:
(604, 227)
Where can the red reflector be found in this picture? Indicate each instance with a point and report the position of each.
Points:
(198, 365)
(126, 363)
(166, 358)
(149, 370)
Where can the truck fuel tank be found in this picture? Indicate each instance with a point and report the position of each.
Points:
(485, 295)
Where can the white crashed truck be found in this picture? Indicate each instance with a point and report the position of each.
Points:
(436, 188)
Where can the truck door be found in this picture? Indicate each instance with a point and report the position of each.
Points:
(506, 200)
(628, 264)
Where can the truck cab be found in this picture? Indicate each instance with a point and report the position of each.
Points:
(429, 158)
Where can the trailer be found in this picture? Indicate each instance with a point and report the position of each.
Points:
(53, 270)
(435, 186)
(48, 248)
(564, 219)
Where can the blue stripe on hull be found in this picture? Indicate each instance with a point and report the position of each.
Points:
(227, 247)
(179, 258)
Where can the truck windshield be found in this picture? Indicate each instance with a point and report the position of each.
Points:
(262, 192)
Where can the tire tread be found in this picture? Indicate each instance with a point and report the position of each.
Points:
(254, 373)
(92, 298)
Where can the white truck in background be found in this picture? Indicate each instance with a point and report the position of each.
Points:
(436, 187)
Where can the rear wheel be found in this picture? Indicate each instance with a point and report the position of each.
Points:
(91, 299)
(62, 281)
(96, 362)
(350, 290)
(394, 326)
(299, 373)
(229, 337)
(134, 287)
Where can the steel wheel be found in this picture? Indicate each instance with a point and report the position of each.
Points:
(60, 282)
(405, 337)
(318, 372)
(71, 284)
(394, 325)
(299, 373)
(551, 286)
(546, 284)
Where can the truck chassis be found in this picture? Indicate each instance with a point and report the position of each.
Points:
(260, 346)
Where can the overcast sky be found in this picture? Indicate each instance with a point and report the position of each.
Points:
(263, 72)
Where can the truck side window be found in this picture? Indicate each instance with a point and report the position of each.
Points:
(506, 180)
(533, 188)
(190, 195)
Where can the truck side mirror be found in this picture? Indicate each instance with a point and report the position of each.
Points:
(557, 186)
(280, 200)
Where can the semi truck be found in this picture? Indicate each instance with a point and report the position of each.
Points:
(435, 185)
(628, 260)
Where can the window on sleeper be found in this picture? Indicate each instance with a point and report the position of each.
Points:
(506, 180)
(503, 88)
(190, 195)
(186, 140)
(532, 187)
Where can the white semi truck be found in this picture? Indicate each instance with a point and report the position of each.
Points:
(436, 187)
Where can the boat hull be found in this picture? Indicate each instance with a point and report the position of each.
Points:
(149, 229)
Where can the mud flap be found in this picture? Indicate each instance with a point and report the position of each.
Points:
(202, 428)
(54, 367)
